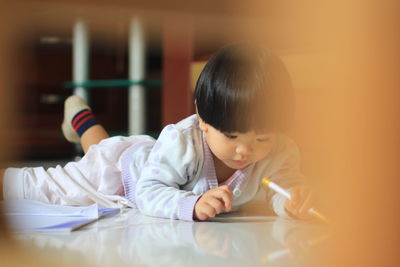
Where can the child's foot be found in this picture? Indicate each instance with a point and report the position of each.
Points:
(72, 106)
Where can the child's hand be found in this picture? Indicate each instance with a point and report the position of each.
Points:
(302, 200)
(213, 202)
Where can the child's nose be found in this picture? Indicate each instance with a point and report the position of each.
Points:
(243, 149)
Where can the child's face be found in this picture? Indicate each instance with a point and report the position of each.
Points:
(238, 150)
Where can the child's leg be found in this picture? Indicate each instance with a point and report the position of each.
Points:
(95, 178)
(93, 136)
(80, 125)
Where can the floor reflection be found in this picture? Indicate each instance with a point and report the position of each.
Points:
(132, 239)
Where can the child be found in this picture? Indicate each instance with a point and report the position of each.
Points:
(208, 163)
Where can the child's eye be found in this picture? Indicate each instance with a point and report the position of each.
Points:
(230, 136)
(263, 139)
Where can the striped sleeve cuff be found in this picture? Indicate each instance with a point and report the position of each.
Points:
(186, 207)
(278, 205)
(13, 184)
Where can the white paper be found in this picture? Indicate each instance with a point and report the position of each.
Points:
(36, 208)
(28, 215)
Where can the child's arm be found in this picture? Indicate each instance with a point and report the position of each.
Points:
(287, 174)
(2, 171)
(160, 190)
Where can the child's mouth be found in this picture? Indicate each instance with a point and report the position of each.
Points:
(239, 162)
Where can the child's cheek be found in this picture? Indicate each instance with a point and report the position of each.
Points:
(264, 152)
(268, 148)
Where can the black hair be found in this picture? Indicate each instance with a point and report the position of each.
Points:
(244, 87)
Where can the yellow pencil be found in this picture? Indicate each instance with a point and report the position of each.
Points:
(286, 194)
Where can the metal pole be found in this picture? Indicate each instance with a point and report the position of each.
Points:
(80, 58)
(137, 105)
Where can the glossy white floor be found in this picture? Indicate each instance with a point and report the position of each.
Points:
(245, 238)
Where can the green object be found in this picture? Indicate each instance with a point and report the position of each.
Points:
(112, 83)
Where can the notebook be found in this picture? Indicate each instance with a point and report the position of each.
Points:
(29, 215)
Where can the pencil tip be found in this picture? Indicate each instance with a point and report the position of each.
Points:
(265, 181)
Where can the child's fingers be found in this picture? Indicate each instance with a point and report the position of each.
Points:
(292, 205)
(294, 196)
(291, 209)
(306, 204)
(226, 196)
(201, 216)
(216, 204)
(226, 188)
(302, 199)
(209, 210)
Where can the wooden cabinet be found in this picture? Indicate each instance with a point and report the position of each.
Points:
(42, 66)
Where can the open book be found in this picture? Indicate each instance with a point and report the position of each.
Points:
(29, 215)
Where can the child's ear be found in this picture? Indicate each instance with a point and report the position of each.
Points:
(202, 125)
